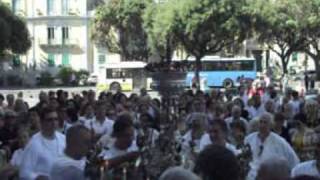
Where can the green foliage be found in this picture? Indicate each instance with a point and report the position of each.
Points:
(280, 25)
(64, 75)
(14, 35)
(160, 25)
(119, 26)
(46, 79)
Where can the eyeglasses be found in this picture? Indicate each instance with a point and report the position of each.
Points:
(260, 150)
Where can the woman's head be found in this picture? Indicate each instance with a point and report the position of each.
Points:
(123, 131)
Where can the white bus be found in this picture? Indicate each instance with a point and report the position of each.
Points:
(127, 76)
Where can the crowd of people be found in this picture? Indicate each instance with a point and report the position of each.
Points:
(52, 139)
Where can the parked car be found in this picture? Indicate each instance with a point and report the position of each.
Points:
(93, 79)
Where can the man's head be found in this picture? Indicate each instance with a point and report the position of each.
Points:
(256, 100)
(123, 131)
(218, 130)
(48, 121)
(265, 123)
(43, 97)
(100, 110)
(269, 106)
(1, 99)
(217, 162)
(274, 169)
(10, 99)
(78, 141)
(178, 173)
(236, 112)
(241, 90)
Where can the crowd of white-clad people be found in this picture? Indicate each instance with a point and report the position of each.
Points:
(51, 139)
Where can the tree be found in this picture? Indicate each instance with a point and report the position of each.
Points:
(14, 35)
(207, 26)
(118, 25)
(161, 25)
(312, 26)
(280, 26)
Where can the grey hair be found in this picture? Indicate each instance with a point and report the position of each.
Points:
(178, 173)
(267, 116)
(275, 168)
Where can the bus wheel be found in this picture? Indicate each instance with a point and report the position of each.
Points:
(227, 83)
(115, 86)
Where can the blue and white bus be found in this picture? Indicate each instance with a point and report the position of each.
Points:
(222, 71)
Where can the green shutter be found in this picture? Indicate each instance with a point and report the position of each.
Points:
(102, 59)
(16, 61)
(51, 60)
(65, 60)
(295, 57)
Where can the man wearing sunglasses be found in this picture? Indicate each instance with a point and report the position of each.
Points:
(43, 149)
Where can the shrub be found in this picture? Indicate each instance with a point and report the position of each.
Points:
(46, 79)
(64, 75)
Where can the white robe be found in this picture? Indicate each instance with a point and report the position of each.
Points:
(255, 112)
(114, 152)
(306, 168)
(67, 168)
(100, 128)
(273, 146)
(186, 139)
(17, 157)
(40, 154)
(205, 141)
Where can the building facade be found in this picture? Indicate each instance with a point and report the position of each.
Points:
(59, 31)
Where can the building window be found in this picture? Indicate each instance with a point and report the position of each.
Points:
(51, 62)
(65, 59)
(16, 5)
(50, 7)
(102, 59)
(65, 34)
(50, 34)
(65, 7)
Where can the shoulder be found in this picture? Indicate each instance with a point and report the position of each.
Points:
(251, 136)
(60, 135)
(303, 168)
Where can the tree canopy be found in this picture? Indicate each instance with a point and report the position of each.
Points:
(280, 25)
(14, 35)
(118, 25)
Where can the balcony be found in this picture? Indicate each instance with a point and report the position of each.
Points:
(60, 46)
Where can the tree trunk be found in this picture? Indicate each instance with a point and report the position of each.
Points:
(284, 61)
(316, 60)
(197, 72)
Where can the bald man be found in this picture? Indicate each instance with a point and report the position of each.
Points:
(71, 165)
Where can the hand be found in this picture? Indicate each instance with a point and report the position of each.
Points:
(42, 177)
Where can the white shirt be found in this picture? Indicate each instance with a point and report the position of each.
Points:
(273, 146)
(254, 112)
(206, 140)
(306, 168)
(17, 157)
(186, 139)
(40, 154)
(114, 152)
(106, 127)
(65, 168)
(295, 104)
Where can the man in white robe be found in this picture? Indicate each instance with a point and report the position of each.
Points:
(123, 149)
(71, 164)
(43, 149)
(257, 109)
(266, 144)
(217, 134)
(100, 124)
(310, 168)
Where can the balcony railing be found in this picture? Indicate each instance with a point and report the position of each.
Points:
(58, 46)
(59, 41)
